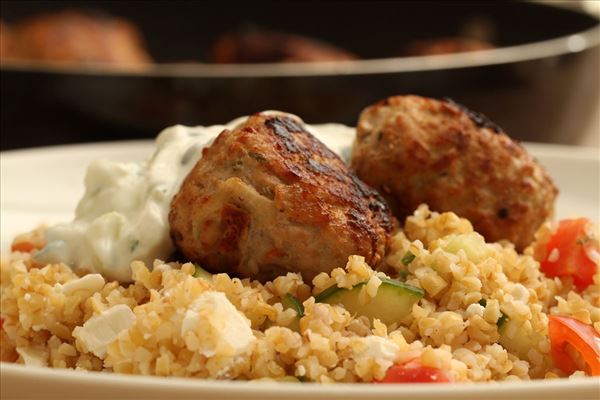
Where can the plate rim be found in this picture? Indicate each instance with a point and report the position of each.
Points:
(8, 370)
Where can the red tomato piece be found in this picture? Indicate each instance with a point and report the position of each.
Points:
(24, 247)
(570, 252)
(582, 337)
(414, 372)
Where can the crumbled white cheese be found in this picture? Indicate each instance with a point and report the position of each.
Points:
(33, 356)
(100, 330)
(475, 309)
(87, 285)
(383, 350)
(220, 329)
(520, 293)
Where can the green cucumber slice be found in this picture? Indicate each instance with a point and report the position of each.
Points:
(202, 273)
(522, 341)
(472, 244)
(392, 303)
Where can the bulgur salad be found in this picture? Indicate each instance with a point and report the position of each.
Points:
(252, 251)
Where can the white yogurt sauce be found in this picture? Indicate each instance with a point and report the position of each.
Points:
(123, 215)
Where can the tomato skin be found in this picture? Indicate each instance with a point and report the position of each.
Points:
(24, 247)
(582, 337)
(414, 372)
(568, 253)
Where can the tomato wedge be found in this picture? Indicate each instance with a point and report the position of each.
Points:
(414, 372)
(572, 251)
(582, 337)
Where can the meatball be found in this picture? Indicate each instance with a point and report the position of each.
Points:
(419, 150)
(268, 198)
(257, 46)
(72, 36)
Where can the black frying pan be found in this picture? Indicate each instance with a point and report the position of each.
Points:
(540, 84)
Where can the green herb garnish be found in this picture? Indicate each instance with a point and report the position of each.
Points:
(501, 320)
(403, 274)
(408, 258)
(291, 301)
(503, 317)
(134, 245)
(200, 272)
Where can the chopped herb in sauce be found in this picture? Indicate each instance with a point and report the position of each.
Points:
(189, 153)
(134, 245)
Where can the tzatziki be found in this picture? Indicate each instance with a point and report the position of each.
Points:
(123, 215)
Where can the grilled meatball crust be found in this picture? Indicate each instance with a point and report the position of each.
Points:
(268, 197)
(419, 150)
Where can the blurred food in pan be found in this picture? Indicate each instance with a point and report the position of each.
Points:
(75, 37)
(262, 46)
(6, 40)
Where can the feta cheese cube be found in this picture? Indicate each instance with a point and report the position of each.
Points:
(104, 328)
(220, 329)
(86, 285)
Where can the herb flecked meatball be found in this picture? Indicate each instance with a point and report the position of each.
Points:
(419, 150)
(268, 198)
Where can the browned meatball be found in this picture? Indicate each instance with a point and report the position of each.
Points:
(419, 150)
(259, 46)
(72, 36)
(268, 198)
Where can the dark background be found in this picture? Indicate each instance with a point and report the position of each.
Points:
(532, 100)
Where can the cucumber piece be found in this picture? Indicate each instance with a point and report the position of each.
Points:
(472, 244)
(392, 303)
(202, 273)
(521, 339)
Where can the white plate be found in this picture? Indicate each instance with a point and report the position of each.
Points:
(43, 185)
